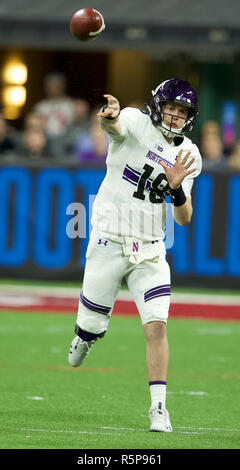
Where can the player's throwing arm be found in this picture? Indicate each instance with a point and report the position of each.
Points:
(108, 115)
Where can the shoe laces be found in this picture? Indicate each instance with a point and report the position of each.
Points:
(89, 344)
(157, 410)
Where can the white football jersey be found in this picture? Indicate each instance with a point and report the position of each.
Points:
(131, 199)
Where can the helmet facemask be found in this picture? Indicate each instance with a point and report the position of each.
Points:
(168, 130)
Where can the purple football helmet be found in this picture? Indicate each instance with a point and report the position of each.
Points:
(177, 91)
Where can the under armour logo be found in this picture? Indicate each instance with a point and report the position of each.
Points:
(135, 246)
(100, 242)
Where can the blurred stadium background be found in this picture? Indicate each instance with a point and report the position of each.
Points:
(53, 156)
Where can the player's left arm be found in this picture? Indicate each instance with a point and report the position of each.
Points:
(183, 214)
(182, 211)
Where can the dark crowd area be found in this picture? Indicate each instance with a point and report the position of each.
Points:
(66, 129)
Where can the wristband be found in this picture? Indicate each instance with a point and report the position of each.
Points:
(178, 196)
(108, 117)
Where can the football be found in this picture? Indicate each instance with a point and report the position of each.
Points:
(86, 24)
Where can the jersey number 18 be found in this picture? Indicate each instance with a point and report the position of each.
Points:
(158, 190)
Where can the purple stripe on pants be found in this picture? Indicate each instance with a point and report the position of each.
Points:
(156, 288)
(155, 296)
(92, 306)
(156, 293)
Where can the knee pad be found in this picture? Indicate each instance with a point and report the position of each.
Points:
(85, 335)
(91, 321)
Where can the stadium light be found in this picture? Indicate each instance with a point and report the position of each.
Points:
(14, 95)
(14, 76)
(14, 72)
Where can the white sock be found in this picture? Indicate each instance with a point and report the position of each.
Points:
(158, 390)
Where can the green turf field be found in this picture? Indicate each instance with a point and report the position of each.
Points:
(46, 404)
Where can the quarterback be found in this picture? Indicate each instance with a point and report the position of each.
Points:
(149, 159)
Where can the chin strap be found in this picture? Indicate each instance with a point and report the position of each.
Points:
(168, 132)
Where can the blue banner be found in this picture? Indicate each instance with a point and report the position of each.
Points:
(37, 213)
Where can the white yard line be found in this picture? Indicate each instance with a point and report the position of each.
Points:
(210, 429)
(103, 429)
(61, 431)
(146, 430)
(177, 427)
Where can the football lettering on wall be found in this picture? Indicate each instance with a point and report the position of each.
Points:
(33, 206)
